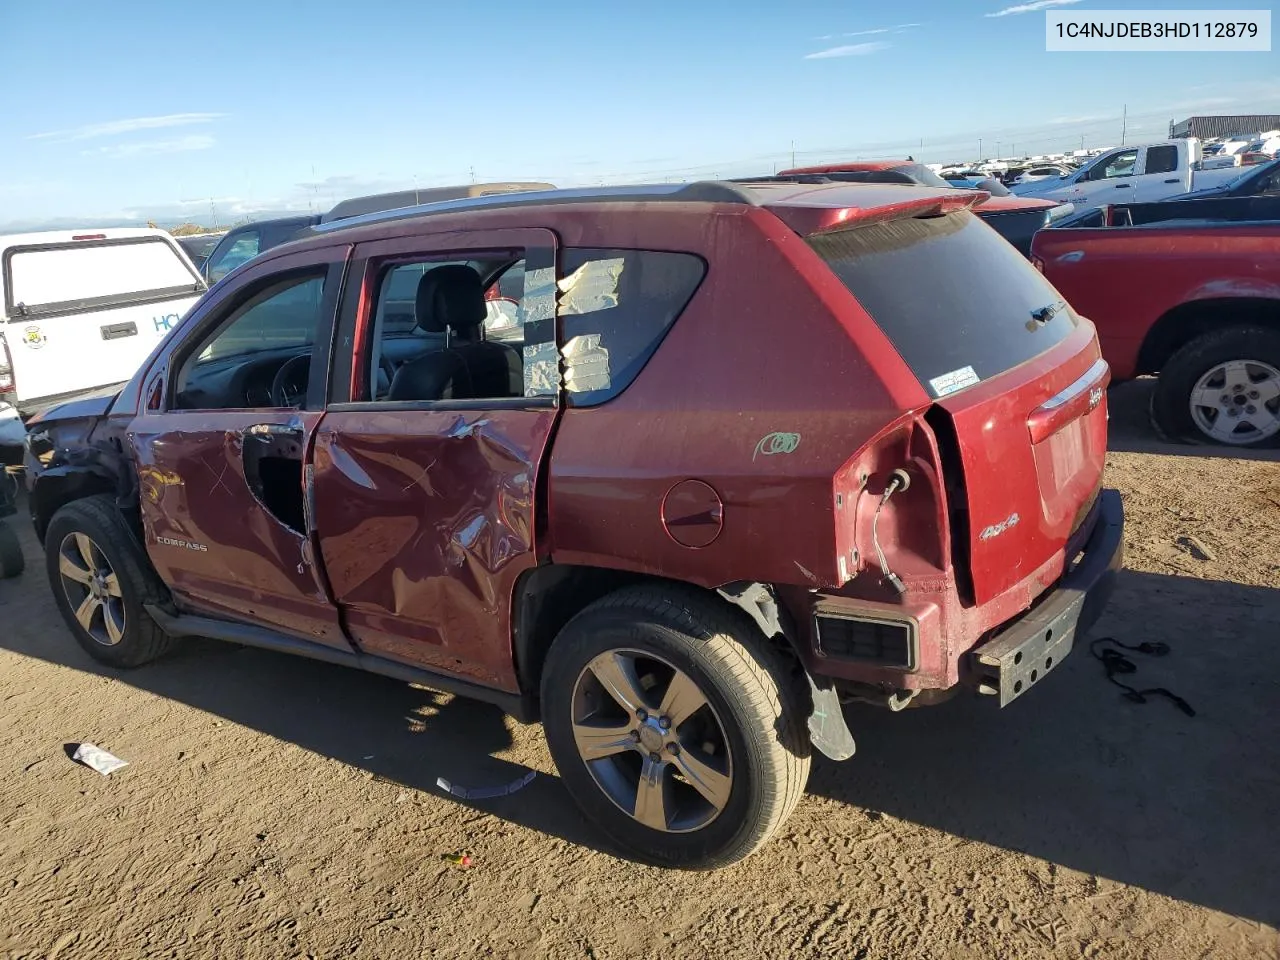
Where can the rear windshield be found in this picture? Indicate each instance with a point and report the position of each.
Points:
(68, 277)
(958, 302)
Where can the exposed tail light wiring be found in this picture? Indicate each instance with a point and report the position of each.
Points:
(898, 480)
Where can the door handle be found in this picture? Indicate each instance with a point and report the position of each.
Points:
(1174, 180)
(271, 430)
(1124, 186)
(115, 331)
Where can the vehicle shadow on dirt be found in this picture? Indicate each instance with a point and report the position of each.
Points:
(1130, 430)
(1077, 775)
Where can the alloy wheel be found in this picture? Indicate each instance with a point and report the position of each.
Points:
(652, 741)
(92, 589)
(1237, 402)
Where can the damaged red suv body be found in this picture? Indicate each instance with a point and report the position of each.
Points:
(747, 454)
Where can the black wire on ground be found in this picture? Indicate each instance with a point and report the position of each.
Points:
(1115, 662)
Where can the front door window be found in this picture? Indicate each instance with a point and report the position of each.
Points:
(260, 356)
(1117, 165)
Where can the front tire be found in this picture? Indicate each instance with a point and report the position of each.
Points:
(11, 561)
(100, 585)
(675, 727)
(1222, 388)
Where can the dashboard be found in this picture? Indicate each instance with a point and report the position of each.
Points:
(238, 382)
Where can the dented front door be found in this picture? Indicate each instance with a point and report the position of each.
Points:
(222, 489)
(210, 534)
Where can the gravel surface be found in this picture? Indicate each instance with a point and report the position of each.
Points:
(275, 807)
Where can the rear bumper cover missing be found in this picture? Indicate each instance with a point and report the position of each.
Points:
(1010, 663)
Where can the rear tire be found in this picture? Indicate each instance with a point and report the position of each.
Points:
(722, 754)
(11, 560)
(1206, 369)
(100, 585)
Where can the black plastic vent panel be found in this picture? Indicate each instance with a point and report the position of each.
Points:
(887, 642)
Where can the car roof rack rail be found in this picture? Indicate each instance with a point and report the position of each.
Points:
(701, 191)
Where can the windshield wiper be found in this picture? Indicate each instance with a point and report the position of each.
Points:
(1047, 313)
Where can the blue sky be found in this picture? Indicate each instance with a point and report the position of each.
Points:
(152, 109)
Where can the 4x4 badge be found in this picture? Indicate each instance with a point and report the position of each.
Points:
(996, 529)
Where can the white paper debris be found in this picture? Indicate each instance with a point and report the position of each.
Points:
(95, 758)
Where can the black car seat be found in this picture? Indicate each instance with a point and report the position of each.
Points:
(450, 301)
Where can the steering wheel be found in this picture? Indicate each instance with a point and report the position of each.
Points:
(285, 392)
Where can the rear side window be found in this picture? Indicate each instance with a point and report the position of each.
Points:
(615, 307)
(71, 277)
(1162, 159)
(957, 302)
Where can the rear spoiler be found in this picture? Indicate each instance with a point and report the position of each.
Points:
(809, 221)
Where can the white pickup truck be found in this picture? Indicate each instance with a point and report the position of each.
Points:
(1139, 174)
(82, 309)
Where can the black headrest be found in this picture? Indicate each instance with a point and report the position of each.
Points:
(450, 297)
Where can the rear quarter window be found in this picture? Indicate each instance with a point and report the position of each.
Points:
(615, 308)
(958, 303)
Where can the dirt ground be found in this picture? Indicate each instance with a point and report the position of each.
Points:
(278, 808)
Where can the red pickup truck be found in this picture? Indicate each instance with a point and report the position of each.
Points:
(1189, 291)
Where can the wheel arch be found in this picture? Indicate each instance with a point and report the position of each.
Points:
(53, 489)
(1187, 321)
(548, 596)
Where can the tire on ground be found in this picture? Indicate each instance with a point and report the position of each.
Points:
(1171, 401)
(746, 680)
(11, 561)
(100, 520)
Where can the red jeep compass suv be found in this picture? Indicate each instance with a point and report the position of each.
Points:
(748, 454)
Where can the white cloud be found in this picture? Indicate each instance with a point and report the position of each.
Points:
(871, 33)
(852, 50)
(114, 128)
(1088, 118)
(1031, 7)
(147, 148)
